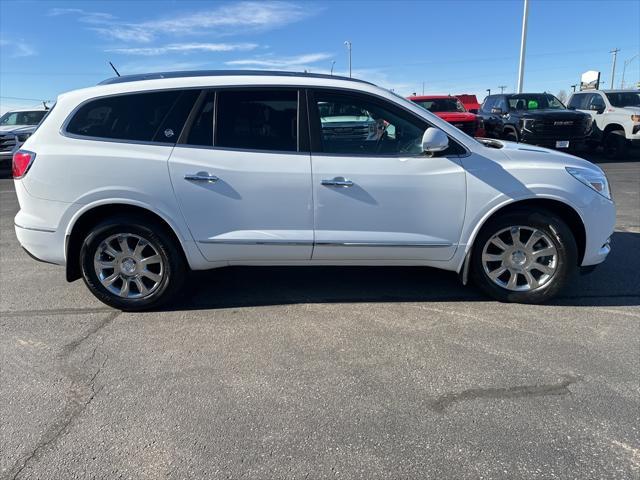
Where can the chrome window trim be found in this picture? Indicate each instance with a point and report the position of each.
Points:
(64, 133)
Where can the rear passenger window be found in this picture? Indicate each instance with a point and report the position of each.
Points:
(153, 116)
(257, 120)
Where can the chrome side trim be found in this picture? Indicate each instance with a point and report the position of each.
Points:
(383, 244)
(259, 242)
(326, 244)
(46, 230)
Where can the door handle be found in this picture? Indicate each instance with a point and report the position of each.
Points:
(337, 182)
(201, 177)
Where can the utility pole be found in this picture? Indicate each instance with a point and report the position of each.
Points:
(613, 66)
(502, 87)
(624, 68)
(348, 45)
(523, 45)
(488, 91)
(422, 88)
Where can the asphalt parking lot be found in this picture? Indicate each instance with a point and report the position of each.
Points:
(323, 373)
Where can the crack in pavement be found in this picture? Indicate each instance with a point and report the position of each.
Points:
(54, 311)
(562, 388)
(80, 394)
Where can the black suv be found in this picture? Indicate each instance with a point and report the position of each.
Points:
(535, 118)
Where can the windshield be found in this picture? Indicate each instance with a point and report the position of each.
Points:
(22, 118)
(441, 105)
(535, 102)
(624, 99)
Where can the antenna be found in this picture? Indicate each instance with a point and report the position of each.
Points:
(114, 69)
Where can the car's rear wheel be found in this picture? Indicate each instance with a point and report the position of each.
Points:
(525, 257)
(614, 144)
(131, 265)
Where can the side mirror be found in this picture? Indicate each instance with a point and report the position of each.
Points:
(596, 108)
(473, 110)
(434, 140)
(497, 111)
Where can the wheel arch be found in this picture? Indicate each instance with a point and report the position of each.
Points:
(91, 216)
(563, 210)
(613, 127)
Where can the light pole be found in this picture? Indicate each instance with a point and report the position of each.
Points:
(573, 87)
(624, 67)
(614, 52)
(348, 45)
(523, 45)
(333, 62)
(488, 91)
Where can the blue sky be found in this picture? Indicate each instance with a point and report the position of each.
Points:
(48, 47)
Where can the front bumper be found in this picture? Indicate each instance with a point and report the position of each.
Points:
(550, 141)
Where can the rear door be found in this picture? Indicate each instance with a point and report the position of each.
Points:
(376, 195)
(242, 175)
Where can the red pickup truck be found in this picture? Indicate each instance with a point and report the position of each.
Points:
(451, 110)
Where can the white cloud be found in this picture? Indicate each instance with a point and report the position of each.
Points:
(185, 48)
(16, 48)
(227, 19)
(137, 67)
(294, 62)
(83, 15)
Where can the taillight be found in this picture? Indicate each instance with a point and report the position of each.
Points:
(22, 160)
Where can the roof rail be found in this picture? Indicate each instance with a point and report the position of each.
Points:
(221, 73)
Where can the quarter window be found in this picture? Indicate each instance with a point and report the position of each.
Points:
(355, 125)
(257, 120)
(153, 116)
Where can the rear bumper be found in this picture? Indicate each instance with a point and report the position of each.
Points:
(41, 244)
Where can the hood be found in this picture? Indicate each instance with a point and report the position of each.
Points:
(534, 156)
(456, 116)
(553, 114)
(15, 129)
(630, 110)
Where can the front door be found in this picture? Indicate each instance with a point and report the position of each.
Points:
(377, 196)
(244, 186)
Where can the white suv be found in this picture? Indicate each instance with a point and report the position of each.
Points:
(134, 182)
(616, 117)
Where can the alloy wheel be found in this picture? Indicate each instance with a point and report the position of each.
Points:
(520, 258)
(129, 266)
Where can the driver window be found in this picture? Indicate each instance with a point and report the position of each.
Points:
(355, 125)
(596, 102)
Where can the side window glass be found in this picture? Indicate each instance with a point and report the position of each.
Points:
(173, 122)
(354, 125)
(597, 101)
(257, 120)
(137, 116)
(200, 131)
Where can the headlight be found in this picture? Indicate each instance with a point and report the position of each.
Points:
(635, 118)
(592, 179)
(588, 124)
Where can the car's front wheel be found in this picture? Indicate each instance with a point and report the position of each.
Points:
(525, 257)
(131, 265)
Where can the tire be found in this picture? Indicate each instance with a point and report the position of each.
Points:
(152, 260)
(511, 135)
(614, 144)
(553, 237)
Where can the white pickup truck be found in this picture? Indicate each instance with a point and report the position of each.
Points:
(616, 117)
